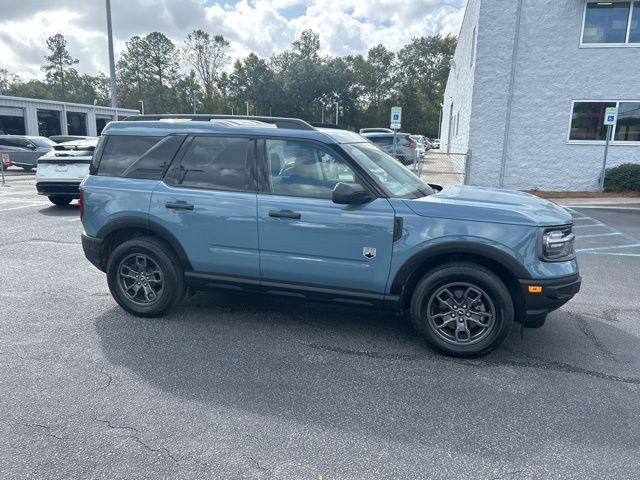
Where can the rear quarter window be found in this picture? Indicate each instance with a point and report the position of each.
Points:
(120, 152)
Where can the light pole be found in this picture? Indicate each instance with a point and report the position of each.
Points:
(247, 104)
(323, 113)
(141, 102)
(440, 122)
(337, 111)
(112, 63)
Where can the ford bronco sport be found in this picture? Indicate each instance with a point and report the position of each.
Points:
(275, 205)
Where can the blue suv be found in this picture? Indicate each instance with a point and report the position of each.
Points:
(275, 205)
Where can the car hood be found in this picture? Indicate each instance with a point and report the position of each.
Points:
(490, 205)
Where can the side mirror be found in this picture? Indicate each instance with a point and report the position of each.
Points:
(349, 194)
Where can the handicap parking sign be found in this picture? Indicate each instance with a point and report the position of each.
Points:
(396, 117)
(610, 116)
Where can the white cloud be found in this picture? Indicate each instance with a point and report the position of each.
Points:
(263, 26)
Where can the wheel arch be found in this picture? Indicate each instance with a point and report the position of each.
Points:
(492, 258)
(119, 230)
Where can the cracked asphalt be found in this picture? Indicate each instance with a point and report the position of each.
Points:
(232, 386)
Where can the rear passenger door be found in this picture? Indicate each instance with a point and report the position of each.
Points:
(208, 202)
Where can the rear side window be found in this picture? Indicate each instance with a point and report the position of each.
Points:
(217, 163)
(382, 140)
(16, 142)
(153, 163)
(120, 152)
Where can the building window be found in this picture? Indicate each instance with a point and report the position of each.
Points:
(628, 125)
(76, 123)
(587, 121)
(611, 23)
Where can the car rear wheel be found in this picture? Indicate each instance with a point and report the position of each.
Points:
(462, 309)
(60, 200)
(27, 169)
(145, 278)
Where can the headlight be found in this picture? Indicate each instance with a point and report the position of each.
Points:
(557, 244)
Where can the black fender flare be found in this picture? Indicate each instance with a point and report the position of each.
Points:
(151, 227)
(456, 248)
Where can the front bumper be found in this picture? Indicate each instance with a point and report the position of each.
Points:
(554, 293)
(92, 248)
(70, 189)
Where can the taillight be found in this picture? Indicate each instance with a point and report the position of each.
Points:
(410, 145)
(81, 203)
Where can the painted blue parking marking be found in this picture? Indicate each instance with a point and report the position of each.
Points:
(595, 249)
(599, 224)
(611, 234)
(615, 254)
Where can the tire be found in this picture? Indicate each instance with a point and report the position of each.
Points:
(27, 169)
(474, 327)
(60, 200)
(127, 267)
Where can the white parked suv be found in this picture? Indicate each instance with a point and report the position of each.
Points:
(62, 169)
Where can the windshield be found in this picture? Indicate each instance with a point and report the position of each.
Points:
(396, 179)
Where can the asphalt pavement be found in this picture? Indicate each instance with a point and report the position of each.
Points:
(236, 386)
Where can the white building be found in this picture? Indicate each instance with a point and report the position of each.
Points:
(529, 85)
(27, 116)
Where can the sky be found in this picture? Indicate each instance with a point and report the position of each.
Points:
(261, 26)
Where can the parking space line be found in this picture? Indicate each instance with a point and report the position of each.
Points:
(616, 254)
(599, 224)
(595, 249)
(73, 219)
(611, 234)
(23, 206)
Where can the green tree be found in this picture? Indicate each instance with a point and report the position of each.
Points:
(7, 81)
(160, 67)
(131, 72)
(58, 62)
(207, 55)
(424, 68)
(307, 45)
(254, 81)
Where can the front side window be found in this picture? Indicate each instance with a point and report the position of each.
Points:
(608, 23)
(217, 163)
(628, 125)
(302, 169)
(587, 120)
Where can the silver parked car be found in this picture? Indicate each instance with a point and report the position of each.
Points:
(24, 151)
(406, 148)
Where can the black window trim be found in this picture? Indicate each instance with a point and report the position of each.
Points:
(362, 175)
(170, 180)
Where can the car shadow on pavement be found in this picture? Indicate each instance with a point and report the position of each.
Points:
(72, 210)
(327, 365)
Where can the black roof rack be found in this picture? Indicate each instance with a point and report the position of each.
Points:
(291, 123)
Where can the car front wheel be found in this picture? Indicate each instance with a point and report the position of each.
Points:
(462, 309)
(144, 277)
